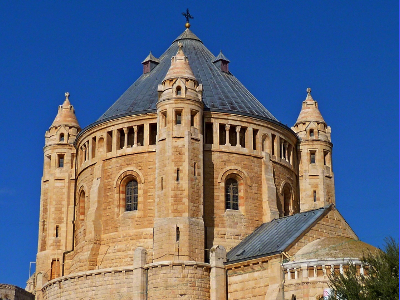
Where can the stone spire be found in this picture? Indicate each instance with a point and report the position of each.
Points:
(309, 111)
(66, 114)
(180, 67)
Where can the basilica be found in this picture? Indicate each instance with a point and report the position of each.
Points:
(187, 187)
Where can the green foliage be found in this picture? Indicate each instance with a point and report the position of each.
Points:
(381, 283)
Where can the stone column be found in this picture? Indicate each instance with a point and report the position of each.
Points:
(238, 136)
(216, 134)
(126, 137)
(227, 142)
(218, 273)
(134, 136)
(139, 274)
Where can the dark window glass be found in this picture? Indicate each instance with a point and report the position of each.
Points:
(232, 194)
(62, 137)
(312, 157)
(131, 194)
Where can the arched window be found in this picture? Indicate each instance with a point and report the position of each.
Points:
(232, 194)
(287, 200)
(62, 137)
(82, 205)
(311, 133)
(178, 91)
(131, 196)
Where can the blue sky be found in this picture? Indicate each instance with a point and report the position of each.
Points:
(346, 51)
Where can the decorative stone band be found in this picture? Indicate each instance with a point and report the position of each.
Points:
(79, 275)
(316, 268)
(195, 264)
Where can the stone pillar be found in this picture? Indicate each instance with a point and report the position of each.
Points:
(238, 136)
(227, 141)
(139, 274)
(126, 137)
(218, 273)
(135, 132)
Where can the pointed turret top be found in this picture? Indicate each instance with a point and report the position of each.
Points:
(221, 56)
(151, 57)
(180, 67)
(66, 114)
(309, 111)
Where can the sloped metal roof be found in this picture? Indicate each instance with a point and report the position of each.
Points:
(275, 236)
(221, 91)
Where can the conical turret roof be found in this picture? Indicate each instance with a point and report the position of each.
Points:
(222, 92)
(66, 115)
(309, 110)
(180, 67)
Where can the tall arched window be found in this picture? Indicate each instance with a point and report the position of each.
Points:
(82, 205)
(62, 137)
(232, 194)
(287, 200)
(131, 196)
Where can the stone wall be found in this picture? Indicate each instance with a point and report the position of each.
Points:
(12, 292)
(103, 284)
(178, 280)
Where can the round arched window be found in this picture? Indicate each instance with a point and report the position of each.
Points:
(232, 194)
(131, 196)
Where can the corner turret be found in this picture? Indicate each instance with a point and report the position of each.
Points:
(316, 178)
(57, 195)
(179, 225)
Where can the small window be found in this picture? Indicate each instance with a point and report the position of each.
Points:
(222, 134)
(177, 175)
(62, 137)
(326, 154)
(81, 207)
(273, 137)
(232, 194)
(178, 117)
(121, 134)
(109, 141)
(162, 183)
(178, 234)
(61, 160)
(140, 135)
(193, 118)
(153, 133)
(255, 132)
(164, 118)
(312, 157)
(93, 147)
(131, 196)
(315, 196)
(194, 169)
(178, 91)
(57, 231)
(311, 133)
(209, 133)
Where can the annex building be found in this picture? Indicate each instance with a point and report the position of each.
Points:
(187, 187)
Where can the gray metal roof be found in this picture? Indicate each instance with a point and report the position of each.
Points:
(275, 236)
(221, 91)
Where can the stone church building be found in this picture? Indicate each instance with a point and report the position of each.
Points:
(187, 187)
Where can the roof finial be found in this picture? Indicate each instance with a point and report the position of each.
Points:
(309, 93)
(188, 16)
(66, 96)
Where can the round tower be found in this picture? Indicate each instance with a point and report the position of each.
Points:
(316, 178)
(178, 225)
(57, 194)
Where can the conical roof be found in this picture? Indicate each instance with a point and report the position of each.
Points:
(222, 92)
(180, 67)
(309, 110)
(66, 115)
